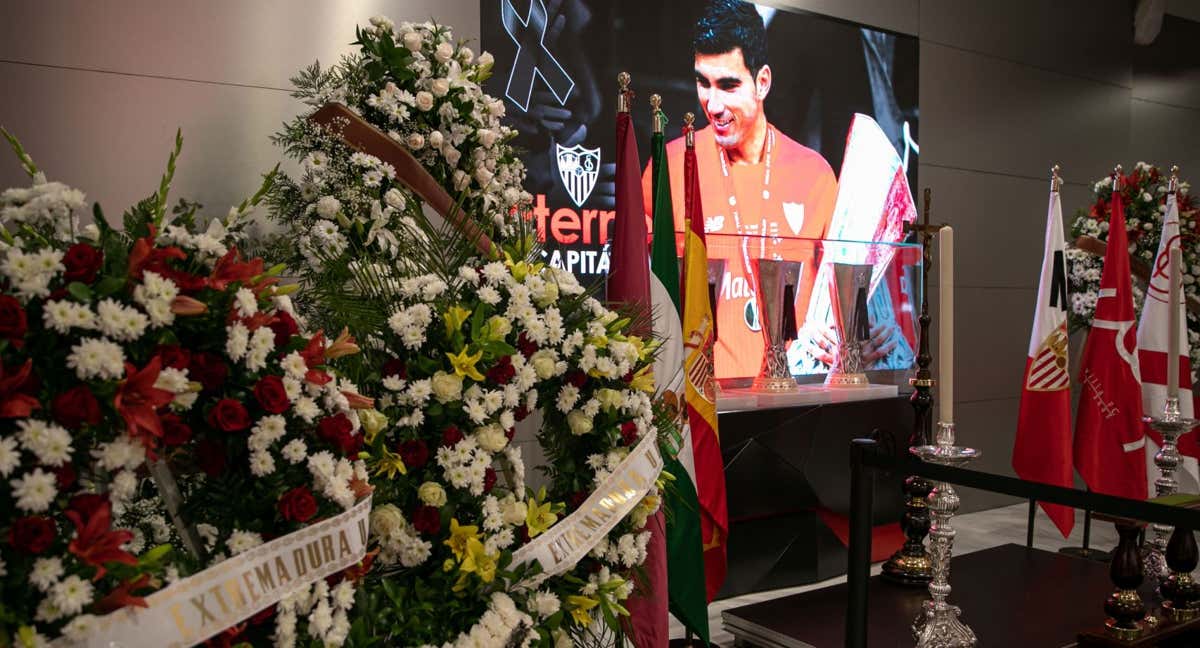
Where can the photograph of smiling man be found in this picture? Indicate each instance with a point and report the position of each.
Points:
(754, 179)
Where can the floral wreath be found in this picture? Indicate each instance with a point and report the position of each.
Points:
(1144, 192)
(185, 360)
(458, 351)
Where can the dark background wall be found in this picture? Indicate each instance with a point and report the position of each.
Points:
(1008, 88)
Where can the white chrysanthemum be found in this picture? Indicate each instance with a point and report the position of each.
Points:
(120, 453)
(72, 594)
(241, 541)
(50, 443)
(262, 463)
(123, 486)
(10, 456)
(121, 322)
(245, 302)
(97, 358)
(80, 628)
(238, 341)
(293, 363)
(61, 315)
(261, 345)
(46, 572)
(35, 491)
(307, 409)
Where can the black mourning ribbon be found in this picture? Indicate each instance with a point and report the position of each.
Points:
(533, 59)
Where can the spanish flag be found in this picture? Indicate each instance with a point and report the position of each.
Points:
(700, 388)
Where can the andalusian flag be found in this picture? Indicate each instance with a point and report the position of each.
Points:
(685, 555)
(700, 388)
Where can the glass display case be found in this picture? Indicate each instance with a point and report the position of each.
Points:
(796, 307)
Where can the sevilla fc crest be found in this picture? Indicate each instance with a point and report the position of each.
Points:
(578, 167)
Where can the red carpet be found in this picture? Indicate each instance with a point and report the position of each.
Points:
(885, 538)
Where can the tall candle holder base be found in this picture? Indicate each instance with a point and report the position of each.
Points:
(938, 625)
(1171, 425)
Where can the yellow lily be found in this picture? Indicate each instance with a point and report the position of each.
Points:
(454, 318)
(390, 463)
(579, 606)
(644, 379)
(479, 561)
(538, 517)
(464, 364)
(460, 537)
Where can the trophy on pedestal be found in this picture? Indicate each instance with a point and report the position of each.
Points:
(850, 283)
(773, 278)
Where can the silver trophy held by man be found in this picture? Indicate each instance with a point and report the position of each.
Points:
(849, 285)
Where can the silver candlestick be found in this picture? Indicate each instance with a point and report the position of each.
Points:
(1170, 426)
(938, 625)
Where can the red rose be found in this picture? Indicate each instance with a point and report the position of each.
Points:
(76, 407)
(451, 435)
(297, 505)
(521, 412)
(82, 262)
(510, 433)
(86, 504)
(271, 394)
(502, 372)
(338, 431)
(489, 479)
(32, 534)
(229, 416)
(577, 378)
(12, 320)
(628, 433)
(427, 520)
(65, 475)
(414, 453)
(174, 356)
(284, 328)
(578, 498)
(210, 456)
(175, 431)
(209, 370)
(528, 347)
(395, 367)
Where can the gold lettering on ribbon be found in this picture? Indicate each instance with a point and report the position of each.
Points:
(205, 615)
(181, 625)
(247, 578)
(298, 559)
(327, 547)
(281, 568)
(343, 545)
(266, 581)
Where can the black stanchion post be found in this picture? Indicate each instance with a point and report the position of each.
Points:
(858, 569)
(1029, 526)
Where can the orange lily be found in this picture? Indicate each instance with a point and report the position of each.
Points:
(138, 400)
(96, 543)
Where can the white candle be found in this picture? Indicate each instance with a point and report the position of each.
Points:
(1174, 276)
(946, 324)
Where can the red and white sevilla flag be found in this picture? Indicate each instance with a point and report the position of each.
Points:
(1152, 350)
(1109, 438)
(1043, 448)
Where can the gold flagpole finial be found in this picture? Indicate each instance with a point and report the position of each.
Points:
(1174, 185)
(625, 96)
(656, 116)
(689, 130)
(1117, 177)
(1055, 179)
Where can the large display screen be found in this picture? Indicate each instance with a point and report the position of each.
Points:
(806, 129)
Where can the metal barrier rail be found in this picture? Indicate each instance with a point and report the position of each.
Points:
(867, 457)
